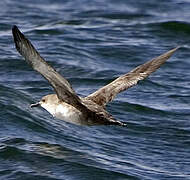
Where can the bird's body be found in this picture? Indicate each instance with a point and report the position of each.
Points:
(66, 104)
(62, 110)
(69, 113)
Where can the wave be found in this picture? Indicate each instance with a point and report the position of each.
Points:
(26, 156)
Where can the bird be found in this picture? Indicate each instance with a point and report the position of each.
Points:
(65, 104)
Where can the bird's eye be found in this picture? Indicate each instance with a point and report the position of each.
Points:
(43, 100)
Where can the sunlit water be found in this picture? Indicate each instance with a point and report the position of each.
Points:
(91, 43)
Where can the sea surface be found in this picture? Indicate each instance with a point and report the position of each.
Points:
(91, 43)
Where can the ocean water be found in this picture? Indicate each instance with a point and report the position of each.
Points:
(91, 43)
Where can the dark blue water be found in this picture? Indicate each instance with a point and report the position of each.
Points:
(90, 43)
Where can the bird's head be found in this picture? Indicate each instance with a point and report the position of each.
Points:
(48, 102)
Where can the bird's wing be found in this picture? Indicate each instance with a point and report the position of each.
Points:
(61, 86)
(108, 92)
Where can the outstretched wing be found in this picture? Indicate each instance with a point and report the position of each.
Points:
(108, 92)
(61, 86)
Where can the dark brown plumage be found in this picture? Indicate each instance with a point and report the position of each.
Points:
(92, 107)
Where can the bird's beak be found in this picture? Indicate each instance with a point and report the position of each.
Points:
(35, 105)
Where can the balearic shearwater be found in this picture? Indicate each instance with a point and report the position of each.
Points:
(65, 104)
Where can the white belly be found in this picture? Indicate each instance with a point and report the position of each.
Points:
(68, 113)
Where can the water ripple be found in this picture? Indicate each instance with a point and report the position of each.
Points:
(91, 43)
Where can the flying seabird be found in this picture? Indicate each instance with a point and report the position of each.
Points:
(66, 104)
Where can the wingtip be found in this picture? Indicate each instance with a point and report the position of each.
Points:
(15, 30)
(171, 52)
(175, 49)
(178, 47)
(14, 27)
(19, 38)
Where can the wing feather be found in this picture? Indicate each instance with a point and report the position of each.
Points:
(61, 86)
(108, 92)
(91, 111)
